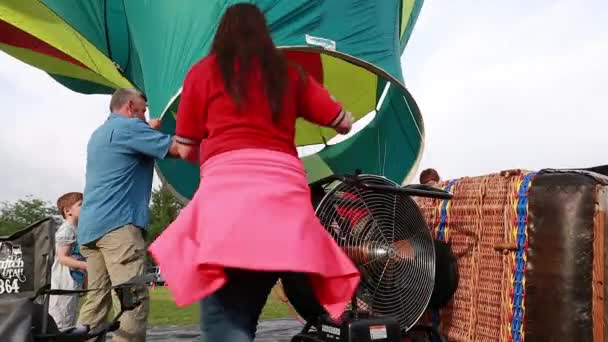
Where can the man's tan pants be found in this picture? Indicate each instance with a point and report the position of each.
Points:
(112, 260)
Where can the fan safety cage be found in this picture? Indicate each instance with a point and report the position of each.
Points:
(386, 236)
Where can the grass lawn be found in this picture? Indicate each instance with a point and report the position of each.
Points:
(164, 312)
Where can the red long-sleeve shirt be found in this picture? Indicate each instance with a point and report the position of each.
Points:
(208, 114)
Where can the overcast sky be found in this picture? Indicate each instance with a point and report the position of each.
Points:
(501, 85)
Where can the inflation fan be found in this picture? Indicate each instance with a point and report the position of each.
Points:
(380, 227)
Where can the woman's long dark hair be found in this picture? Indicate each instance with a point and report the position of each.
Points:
(243, 38)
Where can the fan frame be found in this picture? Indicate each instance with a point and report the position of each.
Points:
(366, 183)
(322, 189)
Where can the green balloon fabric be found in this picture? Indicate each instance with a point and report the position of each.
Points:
(353, 47)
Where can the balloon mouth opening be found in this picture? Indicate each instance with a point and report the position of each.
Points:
(360, 86)
(312, 59)
(316, 61)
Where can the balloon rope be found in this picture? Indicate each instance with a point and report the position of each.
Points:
(283, 298)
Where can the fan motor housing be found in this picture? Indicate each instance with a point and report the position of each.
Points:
(446, 275)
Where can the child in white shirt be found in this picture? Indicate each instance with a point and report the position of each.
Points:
(69, 268)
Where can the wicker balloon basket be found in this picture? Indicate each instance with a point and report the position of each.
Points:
(530, 250)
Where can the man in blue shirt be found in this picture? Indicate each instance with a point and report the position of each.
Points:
(114, 213)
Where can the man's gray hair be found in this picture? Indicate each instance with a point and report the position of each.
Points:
(122, 95)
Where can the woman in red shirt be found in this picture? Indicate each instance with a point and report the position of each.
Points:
(251, 218)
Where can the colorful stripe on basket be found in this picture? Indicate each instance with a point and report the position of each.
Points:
(442, 235)
(443, 220)
(518, 278)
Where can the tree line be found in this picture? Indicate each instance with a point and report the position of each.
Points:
(164, 208)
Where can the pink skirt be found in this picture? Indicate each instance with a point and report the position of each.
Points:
(252, 211)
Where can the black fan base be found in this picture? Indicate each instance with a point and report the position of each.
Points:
(359, 329)
(375, 329)
(312, 337)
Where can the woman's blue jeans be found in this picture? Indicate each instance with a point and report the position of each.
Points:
(231, 314)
